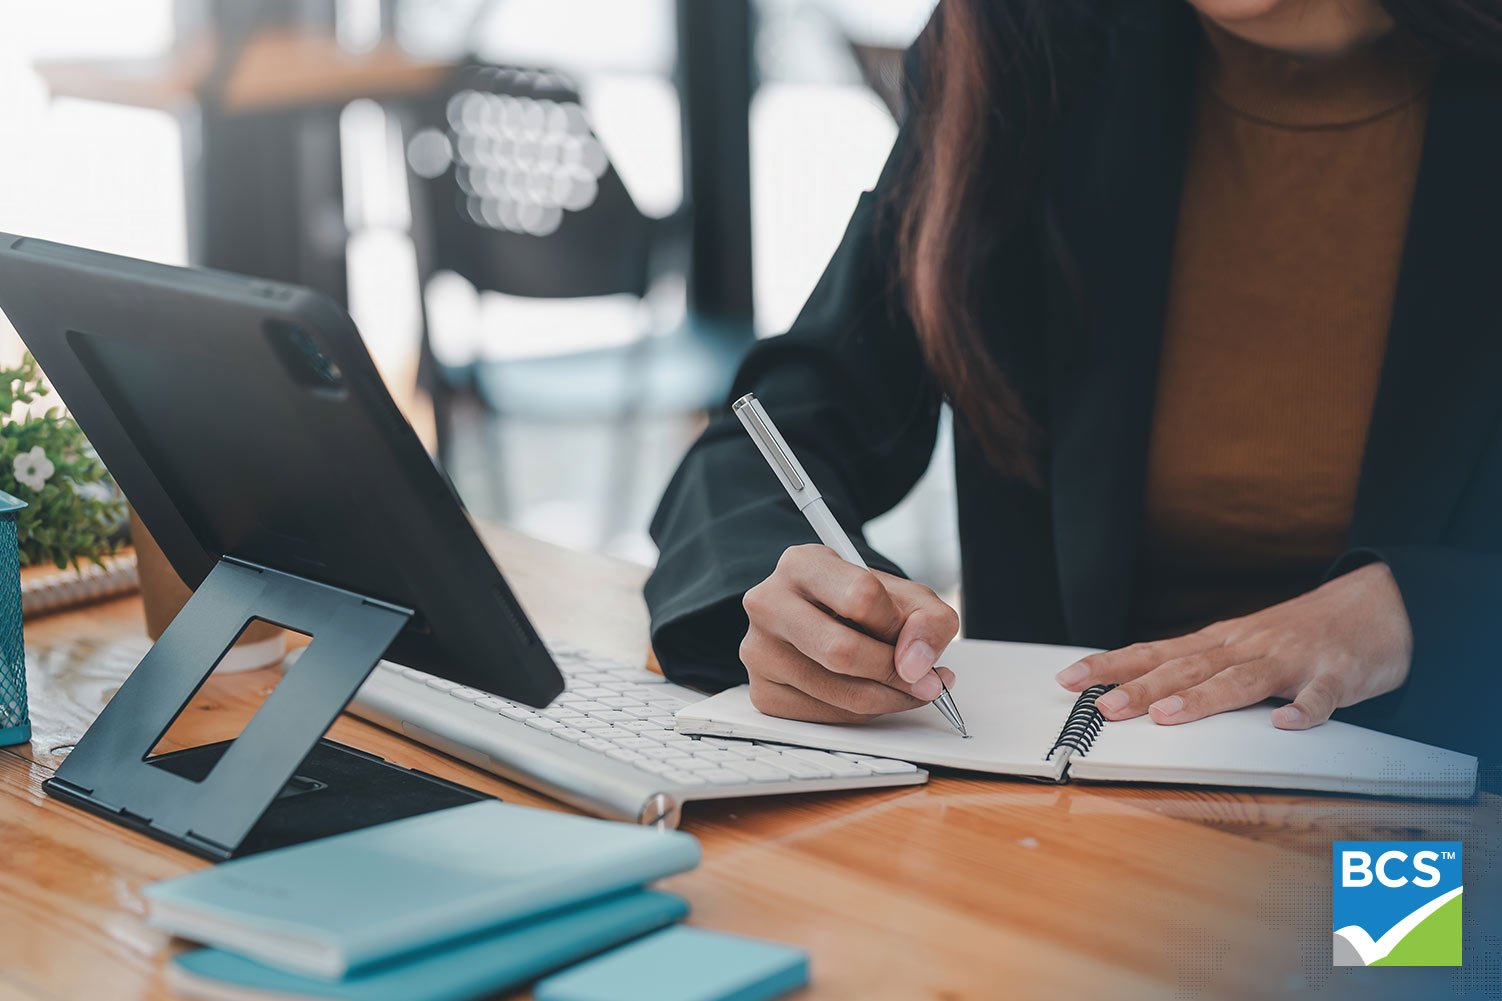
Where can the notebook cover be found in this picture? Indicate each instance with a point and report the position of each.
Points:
(683, 964)
(342, 903)
(474, 968)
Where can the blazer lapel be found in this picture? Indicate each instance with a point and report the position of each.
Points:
(1113, 213)
(1441, 387)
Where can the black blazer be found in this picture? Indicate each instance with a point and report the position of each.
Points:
(1076, 298)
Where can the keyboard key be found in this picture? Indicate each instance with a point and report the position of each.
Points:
(636, 743)
(720, 742)
(442, 684)
(834, 764)
(722, 777)
(621, 702)
(655, 767)
(386, 665)
(760, 771)
(491, 703)
(587, 723)
(678, 740)
(596, 744)
(623, 754)
(800, 769)
(612, 716)
(560, 713)
(723, 757)
(545, 725)
(645, 726)
(593, 692)
(882, 766)
(589, 706)
(515, 712)
(683, 778)
(759, 751)
(698, 764)
(648, 678)
(639, 712)
(666, 722)
(659, 752)
(569, 734)
(618, 686)
(468, 694)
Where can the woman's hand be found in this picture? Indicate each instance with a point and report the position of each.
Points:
(831, 642)
(1346, 641)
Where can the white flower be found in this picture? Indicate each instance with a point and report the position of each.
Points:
(33, 469)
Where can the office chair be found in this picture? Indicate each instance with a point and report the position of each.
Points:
(512, 191)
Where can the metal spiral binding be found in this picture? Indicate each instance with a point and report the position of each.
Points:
(1083, 724)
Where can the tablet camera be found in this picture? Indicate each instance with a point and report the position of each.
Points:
(301, 355)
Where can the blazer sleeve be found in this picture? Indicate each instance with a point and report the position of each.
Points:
(849, 390)
(1452, 596)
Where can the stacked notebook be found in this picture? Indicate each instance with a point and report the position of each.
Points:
(445, 906)
(1023, 723)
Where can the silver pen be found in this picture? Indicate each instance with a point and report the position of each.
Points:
(811, 504)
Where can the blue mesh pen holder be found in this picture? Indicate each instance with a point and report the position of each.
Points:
(15, 722)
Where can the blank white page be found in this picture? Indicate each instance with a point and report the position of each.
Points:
(1006, 692)
(1243, 748)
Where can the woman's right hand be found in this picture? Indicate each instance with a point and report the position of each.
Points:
(831, 642)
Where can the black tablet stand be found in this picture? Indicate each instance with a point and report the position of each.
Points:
(278, 783)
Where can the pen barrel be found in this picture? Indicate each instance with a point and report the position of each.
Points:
(830, 533)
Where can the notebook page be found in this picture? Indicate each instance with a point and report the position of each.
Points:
(1005, 691)
(1243, 748)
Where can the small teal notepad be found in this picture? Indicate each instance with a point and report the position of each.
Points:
(471, 969)
(683, 964)
(340, 904)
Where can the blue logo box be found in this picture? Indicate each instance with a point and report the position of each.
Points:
(1396, 903)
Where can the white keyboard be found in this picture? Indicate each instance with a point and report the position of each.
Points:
(607, 744)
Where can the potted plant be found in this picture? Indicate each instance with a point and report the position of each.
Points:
(74, 512)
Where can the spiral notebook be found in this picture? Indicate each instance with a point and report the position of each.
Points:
(1022, 723)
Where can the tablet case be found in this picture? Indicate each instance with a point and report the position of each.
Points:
(249, 428)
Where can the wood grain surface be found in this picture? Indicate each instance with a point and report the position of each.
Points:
(965, 888)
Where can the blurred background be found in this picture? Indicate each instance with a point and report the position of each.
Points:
(557, 223)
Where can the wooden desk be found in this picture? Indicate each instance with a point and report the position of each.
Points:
(966, 888)
(276, 69)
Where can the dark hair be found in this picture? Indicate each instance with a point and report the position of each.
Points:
(989, 91)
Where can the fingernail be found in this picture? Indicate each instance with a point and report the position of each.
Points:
(927, 687)
(1171, 706)
(915, 661)
(1113, 701)
(1288, 716)
(1073, 674)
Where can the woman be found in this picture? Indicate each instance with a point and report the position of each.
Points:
(1226, 363)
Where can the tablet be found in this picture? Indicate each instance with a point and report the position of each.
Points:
(244, 419)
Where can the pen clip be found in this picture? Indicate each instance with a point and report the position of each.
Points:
(749, 410)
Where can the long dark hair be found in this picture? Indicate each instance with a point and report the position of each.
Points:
(989, 91)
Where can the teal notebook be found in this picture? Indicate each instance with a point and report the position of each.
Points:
(683, 964)
(329, 907)
(471, 969)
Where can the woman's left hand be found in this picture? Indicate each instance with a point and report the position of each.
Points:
(1346, 641)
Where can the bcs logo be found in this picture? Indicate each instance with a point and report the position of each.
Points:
(1397, 903)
